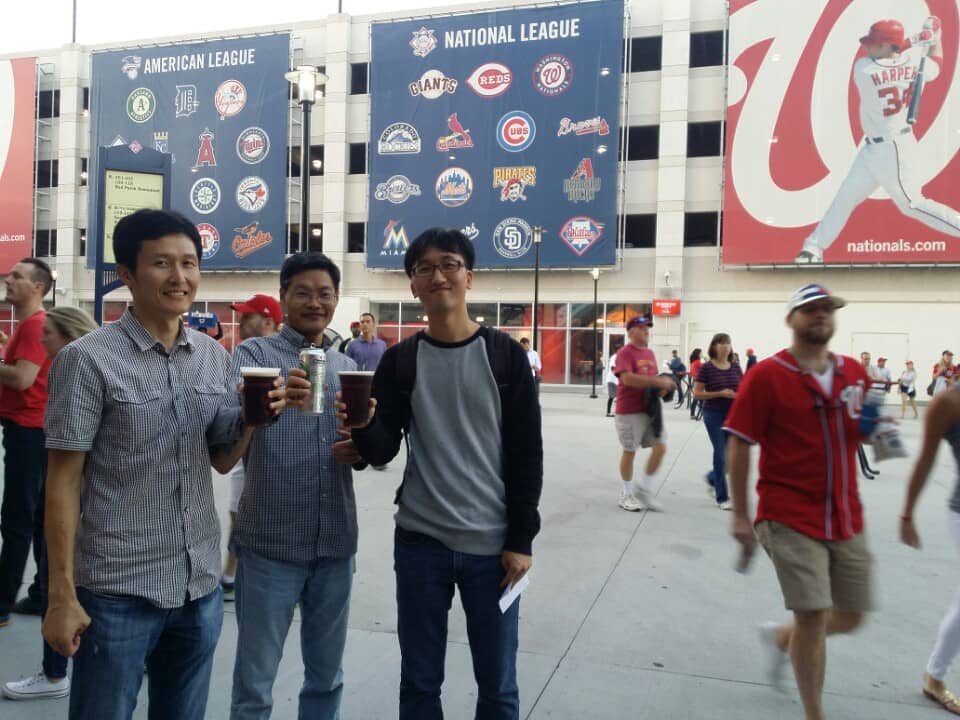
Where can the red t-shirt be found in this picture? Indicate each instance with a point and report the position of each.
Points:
(26, 407)
(946, 372)
(640, 361)
(808, 444)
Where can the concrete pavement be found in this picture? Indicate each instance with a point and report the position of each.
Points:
(627, 614)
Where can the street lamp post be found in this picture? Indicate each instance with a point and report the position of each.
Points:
(595, 274)
(537, 239)
(307, 80)
(53, 276)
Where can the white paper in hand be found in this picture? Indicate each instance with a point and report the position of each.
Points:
(512, 592)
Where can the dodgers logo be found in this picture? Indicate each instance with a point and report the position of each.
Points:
(249, 238)
(512, 181)
(141, 104)
(458, 138)
(205, 196)
(186, 103)
(490, 79)
(471, 231)
(397, 189)
(395, 240)
(454, 187)
(582, 186)
(515, 131)
(581, 233)
(253, 145)
(399, 139)
(130, 66)
(552, 75)
(209, 240)
(423, 42)
(433, 84)
(513, 237)
(252, 194)
(230, 98)
(205, 156)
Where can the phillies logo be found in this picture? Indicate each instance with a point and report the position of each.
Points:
(205, 156)
(490, 79)
(552, 75)
(581, 233)
(516, 131)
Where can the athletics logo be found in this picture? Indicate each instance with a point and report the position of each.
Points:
(141, 105)
(433, 84)
(249, 238)
(230, 98)
(252, 193)
(454, 187)
(458, 138)
(581, 233)
(513, 237)
(186, 102)
(394, 239)
(512, 181)
(397, 189)
(205, 156)
(205, 196)
(253, 145)
(209, 240)
(515, 131)
(399, 139)
(423, 42)
(490, 79)
(582, 186)
(552, 75)
(131, 66)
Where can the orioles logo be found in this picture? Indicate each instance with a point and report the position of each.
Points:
(249, 239)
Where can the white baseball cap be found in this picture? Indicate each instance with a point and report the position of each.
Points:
(811, 293)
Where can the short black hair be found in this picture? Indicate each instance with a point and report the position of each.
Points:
(717, 339)
(301, 262)
(41, 272)
(369, 315)
(524, 341)
(146, 224)
(445, 239)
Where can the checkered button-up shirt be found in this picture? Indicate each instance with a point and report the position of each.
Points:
(147, 419)
(297, 503)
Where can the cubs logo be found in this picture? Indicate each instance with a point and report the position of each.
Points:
(423, 42)
(454, 187)
(433, 84)
(397, 189)
(552, 75)
(205, 156)
(583, 127)
(512, 181)
(230, 98)
(513, 237)
(399, 139)
(471, 231)
(395, 240)
(581, 233)
(130, 66)
(582, 186)
(490, 79)
(141, 104)
(186, 103)
(248, 239)
(209, 240)
(515, 131)
(205, 196)
(252, 194)
(253, 145)
(458, 138)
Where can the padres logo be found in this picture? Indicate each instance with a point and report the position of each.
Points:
(513, 237)
(205, 196)
(141, 105)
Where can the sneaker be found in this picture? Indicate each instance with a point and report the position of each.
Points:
(27, 606)
(629, 502)
(776, 658)
(4, 619)
(36, 687)
(809, 256)
(648, 500)
(229, 591)
(725, 505)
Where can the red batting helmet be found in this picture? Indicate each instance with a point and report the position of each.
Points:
(884, 31)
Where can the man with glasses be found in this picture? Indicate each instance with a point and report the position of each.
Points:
(465, 398)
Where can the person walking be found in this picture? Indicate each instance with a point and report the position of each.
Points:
(716, 387)
(944, 373)
(533, 357)
(611, 381)
(354, 334)
(801, 406)
(367, 349)
(751, 360)
(908, 390)
(696, 362)
(884, 376)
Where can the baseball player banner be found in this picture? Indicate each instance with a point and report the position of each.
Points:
(220, 109)
(18, 85)
(496, 123)
(842, 142)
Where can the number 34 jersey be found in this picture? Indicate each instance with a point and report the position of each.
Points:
(885, 87)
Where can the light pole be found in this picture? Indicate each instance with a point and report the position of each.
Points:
(537, 239)
(595, 274)
(307, 79)
(53, 276)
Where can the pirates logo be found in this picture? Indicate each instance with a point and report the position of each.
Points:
(454, 187)
(209, 240)
(130, 66)
(581, 233)
(458, 138)
(512, 181)
(423, 42)
(395, 240)
(230, 98)
(205, 196)
(186, 102)
(141, 105)
(513, 238)
(205, 156)
(582, 186)
(552, 75)
(397, 189)
(248, 239)
(253, 144)
(252, 194)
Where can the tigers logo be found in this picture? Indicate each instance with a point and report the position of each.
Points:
(395, 240)
(249, 239)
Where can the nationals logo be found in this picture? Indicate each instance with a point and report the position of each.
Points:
(552, 75)
(515, 131)
(248, 239)
(581, 233)
(209, 240)
(490, 79)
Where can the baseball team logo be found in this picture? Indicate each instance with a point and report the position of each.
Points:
(205, 196)
(230, 98)
(205, 156)
(397, 189)
(432, 85)
(252, 194)
(512, 181)
(516, 131)
(582, 186)
(513, 237)
(161, 141)
(249, 238)
(130, 66)
(399, 139)
(596, 125)
(490, 79)
(552, 75)
(423, 42)
(454, 187)
(471, 231)
(581, 233)
(186, 103)
(209, 240)
(117, 141)
(458, 138)
(135, 146)
(253, 145)
(141, 104)
(395, 242)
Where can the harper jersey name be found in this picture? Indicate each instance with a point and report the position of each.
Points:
(885, 85)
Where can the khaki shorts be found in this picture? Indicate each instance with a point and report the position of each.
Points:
(634, 432)
(819, 574)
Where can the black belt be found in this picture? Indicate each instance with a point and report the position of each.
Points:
(874, 140)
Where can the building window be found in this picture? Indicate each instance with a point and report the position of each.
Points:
(83, 172)
(316, 160)
(293, 169)
(293, 238)
(706, 48)
(86, 101)
(48, 173)
(48, 104)
(703, 139)
(700, 229)
(83, 242)
(358, 158)
(643, 142)
(356, 237)
(640, 231)
(358, 78)
(645, 53)
(45, 243)
(314, 241)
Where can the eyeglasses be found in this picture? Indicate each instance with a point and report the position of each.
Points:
(302, 296)
(447, 267)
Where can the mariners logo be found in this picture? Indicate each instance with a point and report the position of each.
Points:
(205, 156)
(205, 196)
(397, 189)
(552, 75)
(458, 138)
(583, 127)
(230, 98)
(454, 187)
(490, 79)
(512, 181)
(253, 145)
(252, 194)
(161, 141)
(209, 240)
(515, 131)
(471, 231)
(399, 139)
(130, 66)
(186, 102)
(433, 84)
(248, 239)
(423, 42)
(141, 104)
(581, 233)
(513, 237)
(395, 240)
(582, 186)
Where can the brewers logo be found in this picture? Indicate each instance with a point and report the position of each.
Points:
(209, 240)
(471, 231)
(581, 233)
(512, 181)
(141, 104)
(513, 237)
(552, 75)
(253, 145)
(252, 194)
(397, 189)
(516, 131)
(205, 196)
(230, 98)
(454, 187)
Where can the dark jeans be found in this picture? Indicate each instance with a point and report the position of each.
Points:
(54, 664)
(21, 514)
(713, 420)
(427, 573)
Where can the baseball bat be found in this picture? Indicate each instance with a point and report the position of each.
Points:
(914, 108)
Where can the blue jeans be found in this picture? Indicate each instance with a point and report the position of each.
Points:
(54, 664)
(126, 633)
(427, 572)
(713, 420)
(267, 592)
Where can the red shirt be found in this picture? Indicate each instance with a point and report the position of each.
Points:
(948, 372)
(808, 444)
(26, 407)
(640, 361)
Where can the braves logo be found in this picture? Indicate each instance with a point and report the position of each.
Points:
(248, 239)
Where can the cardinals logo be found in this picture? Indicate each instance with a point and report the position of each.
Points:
(249, 238)
(458, 138)
(252, 194)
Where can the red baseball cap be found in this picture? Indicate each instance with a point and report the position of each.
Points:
(264, 305)
(884, 31)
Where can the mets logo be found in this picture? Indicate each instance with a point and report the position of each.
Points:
(583, 127)
(252, 193)
(186, 102)
(490, 79)
(141, 104)
(515, 131)
(513, 237)
(399, 139)
(454, 187)
(209, 240)
(512, 181)
(248, 239)
(581, 233)
(397, 189)
(230, 98)
(423, 42)
(130, 66)
(433, 84)
(395, 240)
(205, 156)
(582, 186)
(458, 138)
(205, 196)
(552, 75)
(471, 231)
(253, 144)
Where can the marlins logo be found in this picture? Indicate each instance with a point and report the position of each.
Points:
(399, 139)
(248, 239)
(512, 181)
(186, 102)
(433, 84)
(252, 194)
(397, 189)
(141, 104)
(458, 138)
(230, 98)
(515, 131)
(205, 156)
(581, 233)
(552, 75)
(582, 186)
(209, 240)
(423, 42)
(205, 196)
(454, 187)
(130, 66)
(253, 144)
(395, 240)
(513, 237)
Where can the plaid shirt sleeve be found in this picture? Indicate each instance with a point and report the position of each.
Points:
(76, 401)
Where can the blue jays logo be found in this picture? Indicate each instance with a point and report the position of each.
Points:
(186, 102)
(395, 240)
(205, 196)
(131, 66)
(423, 42)
(252, 194)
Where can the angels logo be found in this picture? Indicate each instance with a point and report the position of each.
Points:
(230, 98)
(516, 131)
(252, 194)
(397, 189)
(399, 139)
(454, 187)
(141, 104)
(458, 138)
(209, 240)
(581, 233)
(512, 181)
(205, 196)
(248, 239)
(253, 145)
(490, 79)
(395, 240)
(433, 84)
(186, 103)
(582, 186)
(471, 231)
(513, 237)
(583, 127)
(552, 75)
(130, 66)
(205, 156)
(423, 42)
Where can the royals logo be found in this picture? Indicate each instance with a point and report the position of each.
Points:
(490, 79)
(512, 181)
(513, 238)
(161, 141)
(205, 156)
(248, 239)
(583, 127)
(399, 139)
(552, 75)
(395, 242)
(454, 187)
(433, 84)
(516, 131)
(253, 145)
(186, 102)
(582, 186)
(423, 42)
(130, 66)
(458, 138)
(205, 196)
(397, 189)
(230, 98)
(252, 194)
(209, 240)
(141, 105)
(581, 233)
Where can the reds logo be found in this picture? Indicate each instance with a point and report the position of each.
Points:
(248, 239)
(490, 79)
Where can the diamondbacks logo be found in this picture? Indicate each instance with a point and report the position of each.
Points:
(141, 105)
(513, 237)
(209, 240)
(552, 75)
(583, 127)
(423, 42)
(230, 98)
(205, 156)
(399, 139)
(512, 181)
(130, 66)
(186, 103)
(397, 189)
(516, 131)
(458, 138)
(490, 79)
(252, 194)
(161, 141)
(395, 240)
(248, 239)
(433, 84)
(471, 231)
(582, 186)
(454, 187)
(581, 233)
(205, 196)
(253, 145)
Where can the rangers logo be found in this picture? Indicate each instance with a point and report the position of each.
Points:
(490, 79)
(515, 131)
(552, 75)
(141, 105)
(249, 238)
(253, 145)
(209, 240)
(395, 240)
(423, 42)
(513, 237)
(252, 193)
(205, 196)
(582, 186)
(471, 231)
(433, 84)
(583, 127)
(230, 98)
(399, 139)
(512, 181)
(581, 233)
(454, 187)
(397, 189)
(161, 141)
(186, 102)
(205, 156)
(458, 138)
(130, 66)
